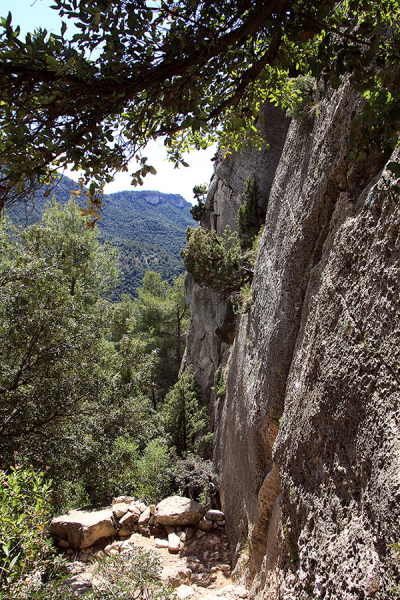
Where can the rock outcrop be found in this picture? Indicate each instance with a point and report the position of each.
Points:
(82, 528)
(213, 323)
(307, 436)
(177, 510)
(79, 529)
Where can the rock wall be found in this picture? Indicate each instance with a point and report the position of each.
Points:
(212, 326)
(307, 440)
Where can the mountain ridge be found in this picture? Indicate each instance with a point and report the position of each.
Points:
(148, 228)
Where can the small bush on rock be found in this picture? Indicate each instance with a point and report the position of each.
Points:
(305, 97)
(200, 193)
(196, 478)
(249, 218)
(216, 262)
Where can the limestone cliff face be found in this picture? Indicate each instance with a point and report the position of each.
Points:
(307, 438)
(213, 323)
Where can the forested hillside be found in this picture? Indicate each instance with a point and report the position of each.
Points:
(148, 228)
(83, 379)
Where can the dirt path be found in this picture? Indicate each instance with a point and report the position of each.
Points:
(206, 555)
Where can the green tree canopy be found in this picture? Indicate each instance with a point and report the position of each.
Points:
(193, 71)
(51, 348)
(74, 385)
(63, 241)
(184, 419)
(160, 318)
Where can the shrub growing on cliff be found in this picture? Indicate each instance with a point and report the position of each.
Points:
(200, 193)
(216, 262)
(305, 97)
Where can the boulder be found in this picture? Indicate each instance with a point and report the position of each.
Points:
(189, 532)
(205, 524)
(214, 515)
(233, 591)
(83, 528)
(125, 531)
(129, 519)
(200, 534)
(176, 575)
(176, 510)
(144, 517)
(184, 591)
(126, 499)
(157, 532)
(173, 542)
(119, 509)
(132, 508)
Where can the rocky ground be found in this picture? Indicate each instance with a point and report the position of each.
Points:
(192, 544)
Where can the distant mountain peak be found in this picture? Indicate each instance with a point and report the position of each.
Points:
(151, 197)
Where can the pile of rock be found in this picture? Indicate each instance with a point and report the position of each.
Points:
(172, 522)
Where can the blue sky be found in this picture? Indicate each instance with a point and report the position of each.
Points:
(30, 14)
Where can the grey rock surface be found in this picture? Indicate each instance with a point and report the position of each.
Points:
(213, 324)
(307, 433)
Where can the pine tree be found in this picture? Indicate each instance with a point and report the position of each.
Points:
(183, 418)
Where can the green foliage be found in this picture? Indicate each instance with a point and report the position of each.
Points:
(249, 218)
(138, 257)
(24, 545)
(147, 236)
(216, 262)
(78, 374)
(293, 553)
(133, 574)
(225, 264)
(183, 418)
(51, 349)
(160, 318)
(200, 193)
(196, 478)
(72, 379)
(153, 477)
(194, 74)
(219, 386)
(305, 97)
(395, 549)
(244, 300)
(63, 241)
